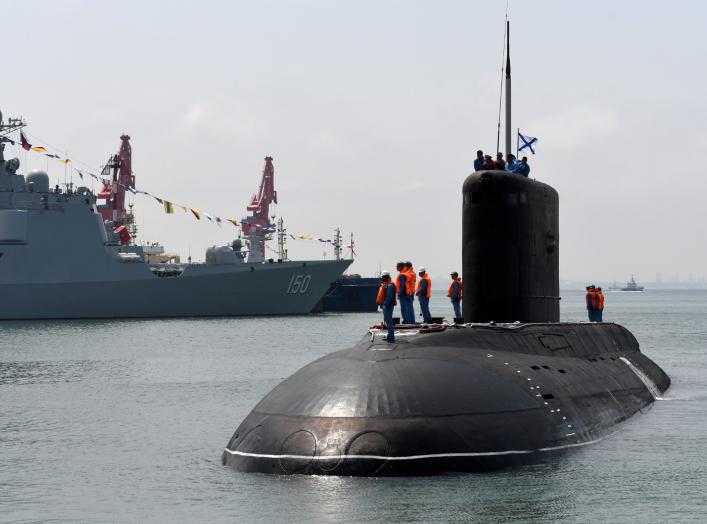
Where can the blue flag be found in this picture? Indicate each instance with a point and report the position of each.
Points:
(527, 143)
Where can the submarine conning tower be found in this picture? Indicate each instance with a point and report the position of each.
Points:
(510, 249)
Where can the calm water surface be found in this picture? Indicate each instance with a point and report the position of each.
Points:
(107, 421)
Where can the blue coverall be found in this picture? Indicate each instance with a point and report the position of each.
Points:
(478, 164)
(456, 300)
(403, 299)
(517, 167)
(411, 309)
(424, 301)
(388, 305)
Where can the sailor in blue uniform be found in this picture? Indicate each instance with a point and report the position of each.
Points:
(479, 161)
(386, 299)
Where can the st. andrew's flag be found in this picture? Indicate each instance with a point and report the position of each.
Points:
(527, 143)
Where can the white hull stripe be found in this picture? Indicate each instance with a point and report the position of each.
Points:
(410, 457)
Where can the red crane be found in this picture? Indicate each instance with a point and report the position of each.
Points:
(114, 191)
(257, 226)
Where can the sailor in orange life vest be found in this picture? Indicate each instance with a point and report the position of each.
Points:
(424, 289)
(401, 285)
(455, 293)
(410, 291)
(600, 305)
(386, 299)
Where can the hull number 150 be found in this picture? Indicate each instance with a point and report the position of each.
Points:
(299, 284)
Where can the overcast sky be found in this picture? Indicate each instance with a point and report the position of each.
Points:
(373, 112)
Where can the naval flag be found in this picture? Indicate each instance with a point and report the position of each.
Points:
(168, 207)
(23, 140)
(527, 143)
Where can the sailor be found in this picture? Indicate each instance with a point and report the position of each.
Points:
(500, 163)
(412, 278)
(386, 299)
(479, 161)
(591, 300)
(488, 162)
(401, 288)
(523, 168)
(455, 293)
(512, 164)
(424, 289)
(600, 306)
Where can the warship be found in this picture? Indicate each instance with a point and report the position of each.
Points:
(69, 253)
(631, 285)
(510, 385)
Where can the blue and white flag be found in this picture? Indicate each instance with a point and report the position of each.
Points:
(527, 143)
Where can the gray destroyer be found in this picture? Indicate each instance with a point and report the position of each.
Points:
(67, 253)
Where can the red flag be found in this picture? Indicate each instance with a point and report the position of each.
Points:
(25, 145)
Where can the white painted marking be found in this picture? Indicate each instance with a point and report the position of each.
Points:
(411, 457)
(650, 385)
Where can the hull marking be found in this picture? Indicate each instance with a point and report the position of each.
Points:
(411, 457)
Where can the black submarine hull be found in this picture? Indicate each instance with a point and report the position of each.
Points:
(470, 398)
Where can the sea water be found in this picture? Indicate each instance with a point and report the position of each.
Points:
(124, 421)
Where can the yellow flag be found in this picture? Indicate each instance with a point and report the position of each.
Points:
(39, 149)
(64, 161)
(196, 213)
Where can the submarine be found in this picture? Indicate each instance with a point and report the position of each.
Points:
(510, 385)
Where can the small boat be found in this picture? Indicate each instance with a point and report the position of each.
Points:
(632, 286)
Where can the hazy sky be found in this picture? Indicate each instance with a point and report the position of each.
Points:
(373, 112)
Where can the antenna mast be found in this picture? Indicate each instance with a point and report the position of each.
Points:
(337, 244)
(508, 89)
(281, 240)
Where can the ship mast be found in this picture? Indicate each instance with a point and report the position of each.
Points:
(281, 240)
(508, 89)
(337, 243)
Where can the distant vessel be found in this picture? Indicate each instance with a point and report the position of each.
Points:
(69, 253)
(632, 286)
(351, 293)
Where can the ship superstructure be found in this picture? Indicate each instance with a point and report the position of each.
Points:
(68, 253)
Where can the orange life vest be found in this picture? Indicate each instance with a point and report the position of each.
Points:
(380, 299)
(450, 292)
(600, 300)
(429, 284)
(410, 282)
(593, 299)
(402, 273)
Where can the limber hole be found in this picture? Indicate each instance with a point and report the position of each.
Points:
(534, 367)
(546, 367)
(548, 396)
(561, 371)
